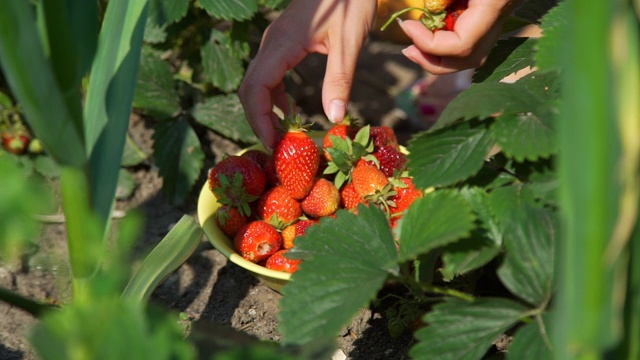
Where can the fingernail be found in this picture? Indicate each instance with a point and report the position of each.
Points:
(337, 110)
(399, 21)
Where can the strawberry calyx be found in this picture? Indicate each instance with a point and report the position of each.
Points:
(432, 21)
(231, 192)
(346, 153)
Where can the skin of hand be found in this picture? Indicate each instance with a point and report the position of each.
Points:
(475, 34)
(336, 28)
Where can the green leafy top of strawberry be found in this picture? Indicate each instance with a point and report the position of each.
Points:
(345, 154)
(232, 192)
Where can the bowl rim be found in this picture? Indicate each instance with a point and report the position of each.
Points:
(206, 208)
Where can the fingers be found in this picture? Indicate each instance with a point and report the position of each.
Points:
(262, 86)
(474, 35)
(338, 79)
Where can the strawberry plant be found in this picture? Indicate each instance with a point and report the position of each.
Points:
(495, 245)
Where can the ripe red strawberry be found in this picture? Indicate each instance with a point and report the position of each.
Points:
(279, 262)
(345, 129)
(257, 241)
(259, 156)
(368, 179)
(230, 220)
(266, 163)
(15, 143)
(237, 181)
(349, 197)
(383, 136)
(253, 178)
(458, 7)
(322, 200)
(406, 194)
(390, 159)
(278, 208)
(297, 159)
(291, 232)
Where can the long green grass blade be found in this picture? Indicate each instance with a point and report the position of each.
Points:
(110, 95)
(167, 256)
(33, 82)
(72, 36)
(588, 160)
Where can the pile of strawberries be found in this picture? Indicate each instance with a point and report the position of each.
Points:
(269, 199)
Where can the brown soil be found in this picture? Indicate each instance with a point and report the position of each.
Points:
(207, 287)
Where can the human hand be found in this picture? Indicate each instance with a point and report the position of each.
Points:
(336, 28)
(467, 46)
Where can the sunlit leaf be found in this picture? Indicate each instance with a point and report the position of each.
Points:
(529, 236)
(508, 56)
(179, 156)
(224, 114)
(482, 246)
(531, 341)
(110, 329)
(221, 65)
(459, 330)
(483, 100)
(437, 219)
(345, 262)
(526, 136)
(155, 93)
(449, 155)
(230, 9)
(174, 249)
(550, 45)
(132, 154)
(126, 185)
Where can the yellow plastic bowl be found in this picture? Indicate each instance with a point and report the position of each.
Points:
(207, 206)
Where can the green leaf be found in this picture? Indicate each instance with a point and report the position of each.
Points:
(46, 166)
(507, 57)
(459, 330)
(161, 14)
(166, 257)
(155, 92)
(551, 44)
(126, 185)
(526, 136)
(531, 341)
(449, 155)
(109, 98)
(224, 114)
(482, 246)
(230, 9)
(180, 158)
(221, 66)
(132, 154)
(20, 199)
(5, 101)
(346, 261)
(529, 237)
(439, 218)
(485, 100)
(110, 329)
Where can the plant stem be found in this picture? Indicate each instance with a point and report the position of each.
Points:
(34, 308)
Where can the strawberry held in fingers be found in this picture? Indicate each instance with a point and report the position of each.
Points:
(297, 158)
(257, 240)
(436, 6)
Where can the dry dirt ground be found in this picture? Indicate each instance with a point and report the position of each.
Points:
(207, 287)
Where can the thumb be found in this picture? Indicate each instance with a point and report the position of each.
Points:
(337, 83)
